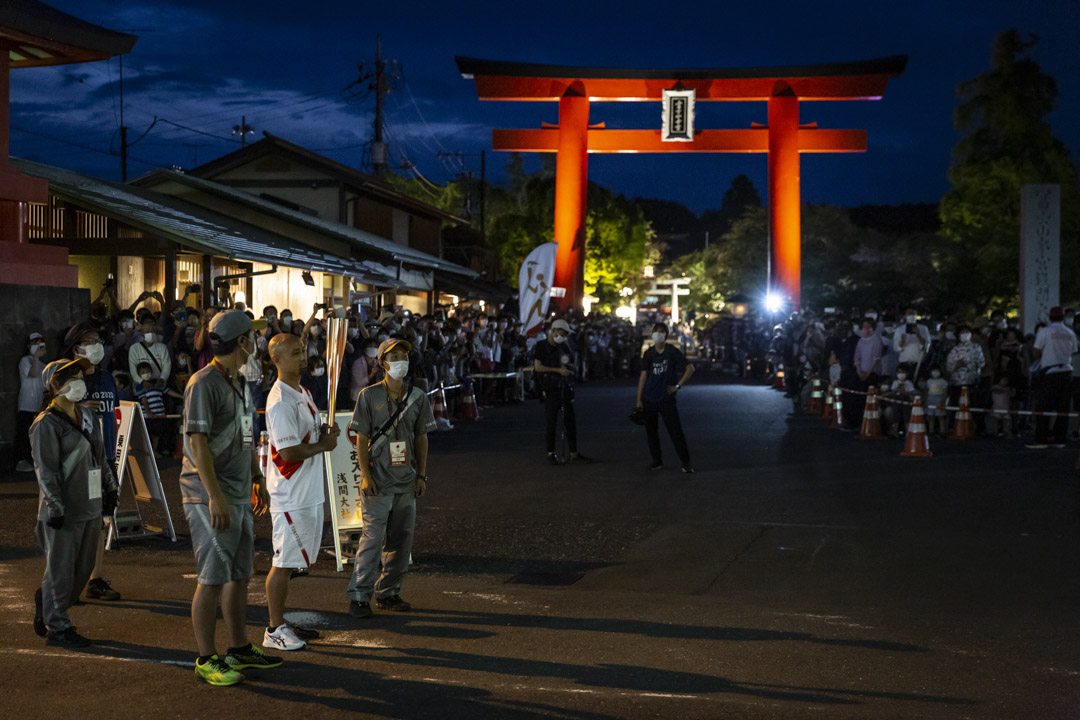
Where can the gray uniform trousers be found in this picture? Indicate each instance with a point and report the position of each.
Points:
(70, 553)
(389, 528)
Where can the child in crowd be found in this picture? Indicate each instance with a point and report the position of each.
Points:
(1001, 395)
(895, 416)
(937, 390)
(151, 393)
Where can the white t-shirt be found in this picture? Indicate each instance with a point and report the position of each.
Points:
(30, 388)
(292, 419)
(1058, 343)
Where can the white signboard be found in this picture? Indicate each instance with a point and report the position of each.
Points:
(1040, 252)
(678, 116)
(534, 286)
(343, 484)
(135, 460)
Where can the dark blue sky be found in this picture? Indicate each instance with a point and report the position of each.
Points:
(202, 64)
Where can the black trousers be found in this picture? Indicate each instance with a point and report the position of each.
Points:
(669, 410)
(1053, 397)
(553, 402)
(22, 436)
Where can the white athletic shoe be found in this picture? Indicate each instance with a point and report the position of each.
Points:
(283, 638)
(24, 466)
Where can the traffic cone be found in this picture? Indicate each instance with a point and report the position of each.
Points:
(964, 429)
(438, 405)
(871, 419)
(838, 408)
(917, 443)
(469, 412)
(830, 411)
(778, 378)
(817, 398)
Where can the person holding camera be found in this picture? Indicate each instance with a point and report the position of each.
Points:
(554, 366)
(77, 487)
(294, 478)
(664, 370)
(391, 422)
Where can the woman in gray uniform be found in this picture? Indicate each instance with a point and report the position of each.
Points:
(76, 488)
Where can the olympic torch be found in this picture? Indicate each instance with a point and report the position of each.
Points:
(336, 335)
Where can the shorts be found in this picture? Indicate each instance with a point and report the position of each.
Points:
(297, 550)
(222, 556)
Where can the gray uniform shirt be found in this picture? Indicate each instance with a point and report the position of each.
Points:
(63, 461)
(213, 405)
(373, 408)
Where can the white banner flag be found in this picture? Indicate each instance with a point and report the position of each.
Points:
(534, 286)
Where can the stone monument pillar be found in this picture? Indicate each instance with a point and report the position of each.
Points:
(1040, 252)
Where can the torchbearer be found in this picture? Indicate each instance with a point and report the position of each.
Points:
(391, 422)
(294, 479)
(219, 471)
(77, 487)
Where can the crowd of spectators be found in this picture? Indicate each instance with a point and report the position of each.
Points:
(903, 353)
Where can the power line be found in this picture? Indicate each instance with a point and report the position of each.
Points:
(197, 132)
(72, 143)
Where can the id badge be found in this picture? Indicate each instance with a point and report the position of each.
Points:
(397, 454)
(94, 490)
(247, 430)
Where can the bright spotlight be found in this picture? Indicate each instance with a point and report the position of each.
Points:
(773, 302)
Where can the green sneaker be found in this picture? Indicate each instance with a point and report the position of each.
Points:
(216, 672)
(251, 657)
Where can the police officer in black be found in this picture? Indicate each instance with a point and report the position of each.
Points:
(554, 366)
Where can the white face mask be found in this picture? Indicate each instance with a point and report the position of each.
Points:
(872, 315)
(94, 353)
(558, 339)
(149, 338)
(315, 331)
(128, 325)
(935, 373)
(965, 337)
(911, 319)
(318, 372)
(76, 390)
(901, 376)
(286, 322)
(145, 376)
(372, 352)
(398, 369)
(1001, 325)
(383, 336)
(659, 338)
(950, 335)
(34, 348)
(353, 332)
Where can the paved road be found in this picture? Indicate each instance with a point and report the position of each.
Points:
(800, 573)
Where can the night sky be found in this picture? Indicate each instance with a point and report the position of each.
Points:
(286, 66)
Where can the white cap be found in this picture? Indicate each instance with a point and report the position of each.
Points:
(560, 325)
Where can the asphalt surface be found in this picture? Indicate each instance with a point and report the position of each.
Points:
(799, 573)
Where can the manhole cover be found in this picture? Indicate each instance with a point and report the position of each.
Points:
(546, 578)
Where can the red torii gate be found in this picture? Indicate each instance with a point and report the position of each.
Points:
(783, 138)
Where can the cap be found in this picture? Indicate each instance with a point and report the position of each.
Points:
(385, 315)
(61, 370)
(36, 336)
(74, 335)
(389, 344)
(231, 324)
(560, 325)
(1057, 312)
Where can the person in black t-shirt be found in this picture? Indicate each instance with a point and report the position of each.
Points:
(664, 370)
(554, 365)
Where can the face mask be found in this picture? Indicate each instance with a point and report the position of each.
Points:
(1001, 325)
(286, 321)
(382, 336)
(149, 338)
(372, 352)
(935, 373)
(965, 337)
(128, 325)
(911, 319)
(872, 315)
(888, 329)
(144, 376)
(950, 335)
(901, 376)
(315, 331)
(318, 372)
(659, 338)
(76, 390)
(34, 348)
(94, 353)
(856, 329)
(559, 339)
(398, 369)
(353, 332)
(181, 362)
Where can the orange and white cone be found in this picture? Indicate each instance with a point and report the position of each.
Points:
(438, 405)
(917, 442)
(964, 428)
(468, 402)
(817, 398)
(871, 419)
(830, 412)
(778, 378)
(838, 408)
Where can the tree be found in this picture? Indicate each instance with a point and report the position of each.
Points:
(1005, 144)
(740, 197)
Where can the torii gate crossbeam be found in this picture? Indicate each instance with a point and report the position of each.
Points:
(783, 138)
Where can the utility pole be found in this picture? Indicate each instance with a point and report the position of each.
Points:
(243, 130)
(460, 157)
(123, 128)
(384, 76)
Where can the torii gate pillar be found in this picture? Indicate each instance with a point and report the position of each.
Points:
(571, 186)
(785, 222)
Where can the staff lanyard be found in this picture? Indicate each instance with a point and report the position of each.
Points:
(220, 369)
(391, 412)
(88, 436)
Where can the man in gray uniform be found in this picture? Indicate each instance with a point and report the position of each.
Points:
(77, 485)
(391, 422)
(220, 467)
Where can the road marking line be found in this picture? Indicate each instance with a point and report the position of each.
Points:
(94, 656)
